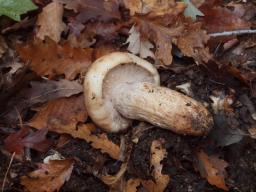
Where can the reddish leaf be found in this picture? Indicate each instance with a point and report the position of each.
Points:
(219, 19)
(64, 112)
(50, 59)
(94, 9)
(16, 142)
(39, 92)
(213, 169)
(49, 177)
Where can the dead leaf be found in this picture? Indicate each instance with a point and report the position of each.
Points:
(192, 42)
(39, 92)
(50, 59)
(49, 177)
(161, 36)
(93, 9)
(99, 141)
(218, 18)
(63, 112)
(85, 131)
(158, 153)
(189, 36)
(50, 22)
(132, 185)
(103, 50)
(154, 7)
(137, 45)
(16, 142)
(213, 169)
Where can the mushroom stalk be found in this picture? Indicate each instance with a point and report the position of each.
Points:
(168, 109)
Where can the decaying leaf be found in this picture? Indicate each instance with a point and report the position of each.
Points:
(50, 59)
(192, 42)
(187, 35)
(154, 7)
(213, 169)
(16, 142)
(50, 22)
(218, 18)
(39, 92)
(49, 177)
(85, 131)
(158, 153)
(63, 112)
(93, 9)
(138, 46)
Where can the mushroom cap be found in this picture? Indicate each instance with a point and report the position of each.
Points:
(104, 75)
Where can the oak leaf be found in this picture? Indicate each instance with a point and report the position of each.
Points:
(16, 142)
(50, 22)
(218, 18)
(50, 59)
(49, 177)
(154, 7)
(137, 45)
(39, 92)
(63, 112)
(213, 169)
(93, 9)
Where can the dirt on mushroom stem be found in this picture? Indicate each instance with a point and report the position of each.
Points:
(162, 107)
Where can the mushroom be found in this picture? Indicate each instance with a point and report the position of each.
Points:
(121, 87)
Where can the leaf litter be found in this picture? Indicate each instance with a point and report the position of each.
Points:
(43, 60)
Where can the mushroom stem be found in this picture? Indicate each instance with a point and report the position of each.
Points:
(162, 107)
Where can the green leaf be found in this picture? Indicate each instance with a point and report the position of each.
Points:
(191, 10)
(15, 8)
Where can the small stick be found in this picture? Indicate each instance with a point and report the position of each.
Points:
(230, 33)
(7, 171)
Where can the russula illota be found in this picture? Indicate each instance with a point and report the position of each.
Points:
(120, 87)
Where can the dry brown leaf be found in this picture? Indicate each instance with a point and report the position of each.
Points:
(158, 153)
(103, 50)
(39, 92)
(64, 112)
(132, 185)
(84, 131)
(137, 45)
(218, 18)
(49, 177)
(63, 115)
(213, 169)
(93, 9)
(164, 31)
(154, 7)
(161, 36)
(192, 42)
(50, 59)
(50, 22)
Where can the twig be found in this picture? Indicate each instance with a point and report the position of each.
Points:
(230, 33)
(7, 171)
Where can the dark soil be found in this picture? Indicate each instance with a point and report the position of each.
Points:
(240, 156)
